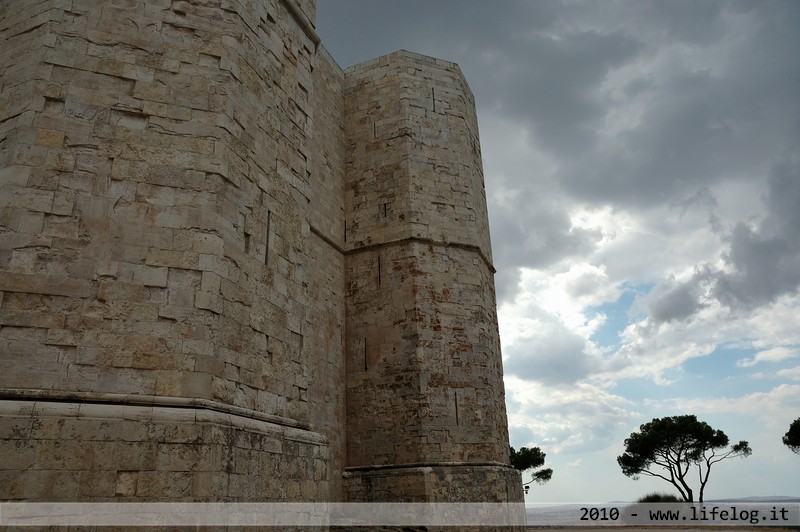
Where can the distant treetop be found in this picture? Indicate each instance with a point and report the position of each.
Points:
(792, 437)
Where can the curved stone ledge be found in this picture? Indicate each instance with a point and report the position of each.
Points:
(166, 403)
(423, 240)
(376, 467)
(99, 451)
(444, 482)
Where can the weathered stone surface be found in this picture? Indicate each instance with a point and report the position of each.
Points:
(118, 452)
(230, 270)
(424, 384)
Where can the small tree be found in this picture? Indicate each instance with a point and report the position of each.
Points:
(658, 497)
(526, 459)
(792, 437)
(672, 447)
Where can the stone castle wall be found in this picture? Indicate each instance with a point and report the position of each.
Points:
(193, 200)
(424, 384)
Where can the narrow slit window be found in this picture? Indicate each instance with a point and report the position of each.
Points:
(269, 234)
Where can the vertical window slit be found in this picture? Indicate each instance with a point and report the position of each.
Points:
(269, 233)
(365, 355)
(374, 130)
(433, 98)
(455, 397)
(345, 230)
(379, 270)
(246, 243)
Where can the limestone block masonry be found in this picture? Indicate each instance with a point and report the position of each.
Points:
(425, 398)
(232, 271)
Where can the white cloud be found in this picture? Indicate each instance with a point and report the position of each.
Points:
(790, 373)
(577, 463)
(568, 419)
(776, 354)
(762, 405)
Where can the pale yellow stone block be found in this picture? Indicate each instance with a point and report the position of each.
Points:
(209, 301)
(16, 175)
(126, 483)
(210, 282)
(150, 275)
(50, 138)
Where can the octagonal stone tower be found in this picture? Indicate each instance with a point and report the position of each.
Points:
(426, 414)
(230, 270)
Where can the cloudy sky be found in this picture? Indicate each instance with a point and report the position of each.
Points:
(642, 163)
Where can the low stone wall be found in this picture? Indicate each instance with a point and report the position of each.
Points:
(434, 483)
(73, 451)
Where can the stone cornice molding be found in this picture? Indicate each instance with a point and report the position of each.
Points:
(65, 396)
